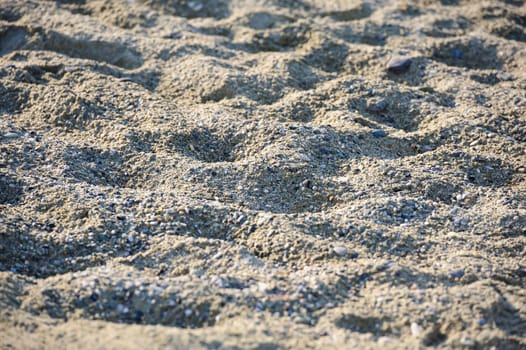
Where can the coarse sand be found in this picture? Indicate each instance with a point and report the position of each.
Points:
(262, 174)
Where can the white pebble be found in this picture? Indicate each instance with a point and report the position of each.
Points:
(339, 250)
(467, 342)
(415, 329)
(122, 309)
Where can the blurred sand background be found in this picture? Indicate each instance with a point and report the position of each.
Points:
(247, 174)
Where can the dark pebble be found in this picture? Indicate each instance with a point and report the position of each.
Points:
(482, 322)
(378, 106)
(324, 150)
(137, 316)
(427, 89)
(379, 133)
(456, 273)
(94, 297)
(353, 256)
(456, 53)
(364, 277)
(399, 64)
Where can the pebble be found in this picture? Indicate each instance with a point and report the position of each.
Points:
(138, 315)
(364, 277)
(122, 309)
(385, 340)
(415, 329)
(456, 273)
(339, 250)
(399, 64)
(94, 297)
(456, 53)
(379, 133)
(11, 135)
(467, 342)
(504, 76)
(377, 106)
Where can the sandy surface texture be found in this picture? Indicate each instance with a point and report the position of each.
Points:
(262, 174)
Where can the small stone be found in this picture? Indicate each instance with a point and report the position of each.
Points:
(504, 76)
(456, 53)
(138, 315)
(455, 274)
(339, 250)
(467, 342)
(379, 133)
(188, 312)
(218, 281)
(377, 106)
(415, 329)
(94, 297)
(364, 277)
(195, 5)
(399, 64)
(11, 135)
(122, 309)
(427, 89)
(385, 340)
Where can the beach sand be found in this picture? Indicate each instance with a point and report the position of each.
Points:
(197, 174)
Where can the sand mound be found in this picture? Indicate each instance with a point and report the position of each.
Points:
(261, 174)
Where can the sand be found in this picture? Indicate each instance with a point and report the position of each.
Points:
(248, 174)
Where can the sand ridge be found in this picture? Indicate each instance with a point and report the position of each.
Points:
(249, 174)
